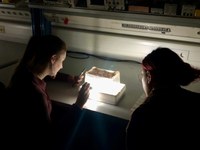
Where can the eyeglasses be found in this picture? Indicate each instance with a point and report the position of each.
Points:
(141, 75)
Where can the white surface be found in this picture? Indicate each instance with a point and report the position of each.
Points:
(129, 72)
(15, 32)
(63, 92)
(110, 92)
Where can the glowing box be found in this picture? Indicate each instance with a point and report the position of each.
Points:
(105, 85)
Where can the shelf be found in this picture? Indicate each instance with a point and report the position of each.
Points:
(120, 15)
(12, 5)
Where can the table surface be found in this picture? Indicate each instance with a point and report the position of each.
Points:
(62, 92)
(129, 71)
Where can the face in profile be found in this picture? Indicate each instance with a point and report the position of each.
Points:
(57, 62)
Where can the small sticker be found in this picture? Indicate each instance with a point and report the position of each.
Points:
(2, 29)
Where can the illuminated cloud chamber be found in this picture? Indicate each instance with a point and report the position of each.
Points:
(105, 85)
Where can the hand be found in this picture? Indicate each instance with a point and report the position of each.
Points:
(83, 95)
(77, 80)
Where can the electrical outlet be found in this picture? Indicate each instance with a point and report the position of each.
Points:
(183, 54)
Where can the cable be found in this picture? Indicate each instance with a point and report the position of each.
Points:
(82, 55)
(77, 55)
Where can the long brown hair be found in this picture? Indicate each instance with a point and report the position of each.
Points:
(38, 53)
(40, 50)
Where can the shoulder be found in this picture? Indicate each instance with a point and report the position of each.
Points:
(188, 93)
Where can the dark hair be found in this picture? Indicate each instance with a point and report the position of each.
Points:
(166, 66)
(37, 55)
(39, 51)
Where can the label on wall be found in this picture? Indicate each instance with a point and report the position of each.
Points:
(2, 29)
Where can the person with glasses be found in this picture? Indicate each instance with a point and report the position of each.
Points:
(169, 117)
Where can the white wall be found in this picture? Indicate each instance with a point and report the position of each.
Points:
(13, 39)
(10, 54)
(124, 46)
(15, 32)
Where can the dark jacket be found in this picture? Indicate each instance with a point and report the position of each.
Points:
(34, 122)
(169, 119)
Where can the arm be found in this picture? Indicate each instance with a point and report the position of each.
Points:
(74, 80)
(70, 115)
(83, 95)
